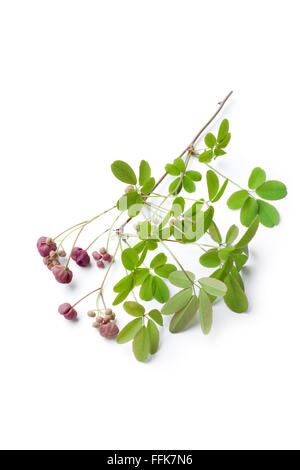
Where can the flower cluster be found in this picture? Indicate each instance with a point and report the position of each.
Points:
(106, 325)
(80, 256)
(67, 311)
(101, 256)
(48, 249)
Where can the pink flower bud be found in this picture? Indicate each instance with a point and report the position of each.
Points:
(108, 330)
(67, 311)
(44, 248)
(53, 254)
(62, 274)
(102, 251)
(96, 255)
(80, 256)
(49, 262)
(106, 257)
(100, 264)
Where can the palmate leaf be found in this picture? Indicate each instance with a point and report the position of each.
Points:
(158, 260)
(210, 140)
(206, 156)
(223, 130)
(194, 175)
(179, 163)
(188, 184)
(123, 172)
(146, 290)
(210, 259)
(221, 191)
(124, 283)
(172, 169)
(165, 270)
(148, 186)
(232, 234)
(214, 232)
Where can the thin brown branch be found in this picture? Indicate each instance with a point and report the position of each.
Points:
(190, 147)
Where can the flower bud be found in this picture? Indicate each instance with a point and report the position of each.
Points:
(108, 311)
(99, 319)
(44, 248)
(53, 254)
(80, 256)
(91, 314)
(129, 189)
(62, 253)
(95, 325)
(62, 274)
(106, 319)
(96, 255)
(100, 264)
(109, 330)
(67, 311)
(107, 257)
(49, 262)
(102, 250)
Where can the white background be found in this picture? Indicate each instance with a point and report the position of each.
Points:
(83, 83)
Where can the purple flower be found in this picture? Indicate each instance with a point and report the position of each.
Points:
(80, 256)
(62, 274)
(45, 245)
(108, 330)
(67, 311)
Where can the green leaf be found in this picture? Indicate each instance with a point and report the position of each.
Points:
(194, 175)
(140, 275)
(172, 169)
(156, 316)
(160, 290)
(212, 184)
(165, 270)
(153, 336)
(206, 156)
(148, 186)
(249, 234)
(124, 284)
(123, 172)
(178, 206)
(181, 319)
(221, 192)
(177, 302)
(139, 247)
(174, 185)
(257, 178)
(235, 297)
(182, 278)
(179, 163)
(237, 199)
(134, 308)
(213, 286)
(210, 259)
(223, 130)
(218, 152)
(146, 291)
(214, 232)
(188, 184)
(122, 296)
(141, 344)
(235, 273)
(224, 253)
(144, 172)
(158, 260)
(224, 142)
(232, 234)
(240, 260)
(272, 190)
(208, 217)
(249, 211)
(210, 140)
(129, 258)
(205, 311)
(268, 214)
(130, 330)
